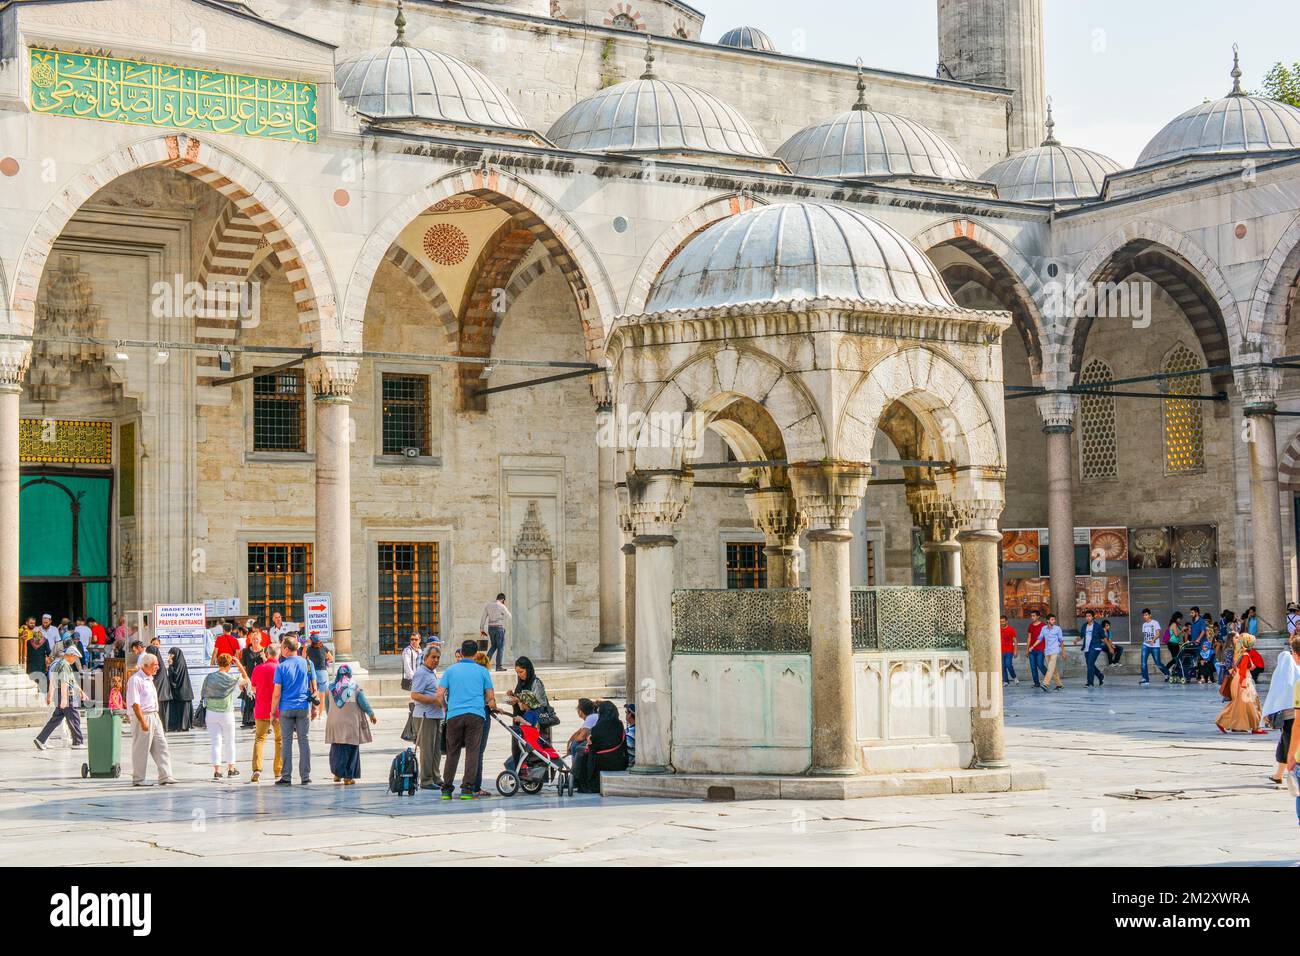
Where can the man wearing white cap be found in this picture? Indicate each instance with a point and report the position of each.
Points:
(147, 737)
(62, 693)
(51, 634)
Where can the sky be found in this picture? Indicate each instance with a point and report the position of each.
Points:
(1117, 70)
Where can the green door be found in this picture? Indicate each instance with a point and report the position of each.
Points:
(63, 549)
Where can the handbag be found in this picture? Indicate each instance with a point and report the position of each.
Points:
(406, 683)
(547, 717)
(408, 731)
(201, 716)
(1293, 783)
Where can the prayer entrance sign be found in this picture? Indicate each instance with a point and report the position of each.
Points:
(88, 86)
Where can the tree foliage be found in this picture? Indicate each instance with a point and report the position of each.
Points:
(1283, 83)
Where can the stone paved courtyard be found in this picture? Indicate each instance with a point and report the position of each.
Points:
(1094, 743)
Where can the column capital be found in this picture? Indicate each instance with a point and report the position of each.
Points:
(934, 512)
(1258, 387)
(976, 516)
(1057, 411)
(775, 513)
(15, 359)
(656, 503)
(333, 377)
(829, 493)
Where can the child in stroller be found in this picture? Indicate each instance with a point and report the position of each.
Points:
(1187, 664)
(539, 762)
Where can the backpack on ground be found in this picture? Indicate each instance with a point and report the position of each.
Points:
(404, 775)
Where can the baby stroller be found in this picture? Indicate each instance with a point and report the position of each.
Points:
(539, 764)
(1184, 667)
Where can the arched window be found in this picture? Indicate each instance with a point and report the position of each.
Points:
(1097, 457)
(623, 21)
(1184, 428)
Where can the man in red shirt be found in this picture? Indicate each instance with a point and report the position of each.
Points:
(263, 681)
(1037, 649)
(227, 643)
(1008, 653)
(98, 633)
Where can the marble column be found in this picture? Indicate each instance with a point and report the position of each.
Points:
(1259, 392)
(656, 503)
(11, 375)
(629, 620)
(775, 514)
(611, 638)
(332, 383)
(980, 541)
(829, 495)
(1057, 412)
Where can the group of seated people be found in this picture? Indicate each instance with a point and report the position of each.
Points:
(601, 742)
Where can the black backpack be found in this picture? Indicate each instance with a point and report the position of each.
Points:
(404, 775)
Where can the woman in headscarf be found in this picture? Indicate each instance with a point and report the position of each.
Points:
(1279, 705)
(529, 694)
(1241, 713)
(347, 711)
(180, 697)
(606, 749)
(249, 658)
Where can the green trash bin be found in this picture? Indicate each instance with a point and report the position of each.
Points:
(103, 744)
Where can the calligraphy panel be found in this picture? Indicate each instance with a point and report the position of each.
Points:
(89, 86)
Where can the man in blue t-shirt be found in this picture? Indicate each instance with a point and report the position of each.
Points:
(464, 689)
(293, 706)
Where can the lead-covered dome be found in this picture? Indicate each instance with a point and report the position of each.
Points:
(650, 115)
(1051, 172)
(863, 143)
(403, 82)
(748, 38)
(790, 252)
(1230, 126)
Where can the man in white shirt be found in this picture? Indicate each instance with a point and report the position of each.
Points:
(280, 628)
(147, 737)
(1151, 645)
(1292, 618)
(493, 626)
(411, 655)
(82, 631)
(51, 634)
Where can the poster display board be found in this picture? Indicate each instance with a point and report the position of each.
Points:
(185, 626)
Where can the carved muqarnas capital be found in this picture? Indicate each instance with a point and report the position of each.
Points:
(333, 376)
(656, 503)
(15, 358)
(1057, 412)
(1258, 387)
(775, 513)
(829, 493)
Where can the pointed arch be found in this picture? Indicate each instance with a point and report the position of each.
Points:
(1015, 284)
(1182, 269)
(695, 394)
(670, 243)
(573, 253)
(256, 197)
(1276, 294)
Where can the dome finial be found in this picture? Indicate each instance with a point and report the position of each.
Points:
(1051, 127)
(649, 73)
(400, 23)
(861, 104)
(1236, 73)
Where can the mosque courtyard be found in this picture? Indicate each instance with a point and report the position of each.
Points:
(1136, 777)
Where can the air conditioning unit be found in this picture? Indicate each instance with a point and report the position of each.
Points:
(411, 452)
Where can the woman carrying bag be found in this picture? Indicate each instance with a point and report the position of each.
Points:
(346, 727)
(218, 695)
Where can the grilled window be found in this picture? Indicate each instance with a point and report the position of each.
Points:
(746, 564)
(1184, 428)
(279, 412)
(1097, 454)
(278, 577)
(406, 413)
(408, 593)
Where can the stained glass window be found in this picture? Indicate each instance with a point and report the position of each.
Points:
(1097, 455)
(1184, 428)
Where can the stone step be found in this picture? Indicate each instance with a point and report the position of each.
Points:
(562, 683)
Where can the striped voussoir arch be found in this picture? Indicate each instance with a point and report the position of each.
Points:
(231, 293)
(427, 286)
(1288, 467)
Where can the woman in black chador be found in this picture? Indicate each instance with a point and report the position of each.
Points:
(180, 703)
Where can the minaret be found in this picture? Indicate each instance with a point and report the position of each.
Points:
(998, 43)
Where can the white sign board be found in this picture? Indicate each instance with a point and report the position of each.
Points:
(318, 616)
(185, 626)
(222, 607)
